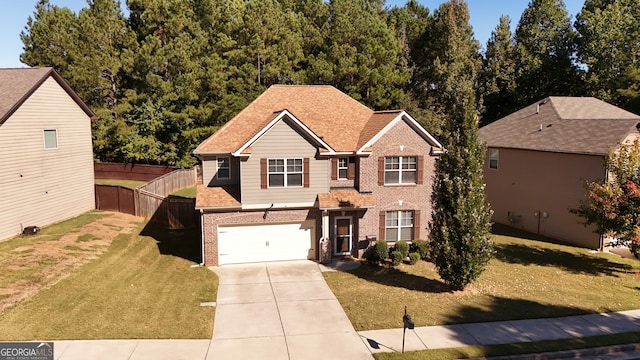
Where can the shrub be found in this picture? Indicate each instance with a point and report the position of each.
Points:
(381, 249)
(370, 255)
(396, 258)
(421, 247)
(376, 253)
(635, 249)
(414, 257)
(403, 247)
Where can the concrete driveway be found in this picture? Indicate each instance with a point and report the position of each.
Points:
(280, 310)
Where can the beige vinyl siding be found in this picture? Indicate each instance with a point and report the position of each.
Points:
(209, 169)
(282, 141)
(41, 186)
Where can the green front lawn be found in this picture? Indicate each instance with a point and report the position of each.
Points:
(514, 349)
(526, 279)
(140, 286)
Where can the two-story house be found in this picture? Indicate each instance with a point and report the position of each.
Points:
(539, 158)
(46, 155)
(305, 168)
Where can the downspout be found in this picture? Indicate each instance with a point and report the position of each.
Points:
(202, 237)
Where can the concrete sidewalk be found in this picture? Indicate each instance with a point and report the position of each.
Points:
(285, 310)
(501, 332)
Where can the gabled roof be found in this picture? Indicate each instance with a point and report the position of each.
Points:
(337, 122)
(16, 85)
(583, 125)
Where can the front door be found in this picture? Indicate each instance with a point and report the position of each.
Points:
(343, 233)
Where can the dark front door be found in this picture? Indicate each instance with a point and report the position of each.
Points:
(343, 229)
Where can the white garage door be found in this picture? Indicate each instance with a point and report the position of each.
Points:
(272, 242)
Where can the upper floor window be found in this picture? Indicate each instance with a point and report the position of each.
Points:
(285, 172)
(223, 168)
(399, 225)
(400, 169)
(343, 168)
(494, 155)
(50, 139)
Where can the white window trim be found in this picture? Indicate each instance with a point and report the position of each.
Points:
(44, 139)
(218, 168)
(494, 156)
(398, 225)
(285, 173)
(335, 234)
(400, 170)
(346, 168)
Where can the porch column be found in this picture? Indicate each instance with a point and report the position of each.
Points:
(325, 241)
(325, 224)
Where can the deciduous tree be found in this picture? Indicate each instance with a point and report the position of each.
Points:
(613, 204)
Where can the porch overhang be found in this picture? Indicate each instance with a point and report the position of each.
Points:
(349, 199)
(218, 198)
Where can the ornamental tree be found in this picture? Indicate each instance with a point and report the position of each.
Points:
(613, 206)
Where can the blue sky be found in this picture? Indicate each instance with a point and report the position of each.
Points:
(484, 18)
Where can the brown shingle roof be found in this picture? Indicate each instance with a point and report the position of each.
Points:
(350, 198)
(330, 114)
(222, 197)
(582, 125)
(376, 122)
(16, 85)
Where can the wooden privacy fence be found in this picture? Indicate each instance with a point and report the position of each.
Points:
(152, 200)
(115, 198)
(122, 171)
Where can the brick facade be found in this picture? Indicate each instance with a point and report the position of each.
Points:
(401, 140)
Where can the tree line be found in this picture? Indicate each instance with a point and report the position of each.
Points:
(165, 76)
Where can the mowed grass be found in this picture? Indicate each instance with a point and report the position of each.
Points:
(132, 184)
(189, 193)
(526, 279)
(142, 287)
(515, 349)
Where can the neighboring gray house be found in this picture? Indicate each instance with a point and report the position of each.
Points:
(302, 166)
(46, 155)
(539, 157)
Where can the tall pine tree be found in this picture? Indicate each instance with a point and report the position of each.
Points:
(461, 218)
(497, 78)
(545, 52)
(608, 33)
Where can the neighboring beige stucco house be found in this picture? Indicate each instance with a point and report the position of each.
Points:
(46, 155)
(302, 167)
(539, 158)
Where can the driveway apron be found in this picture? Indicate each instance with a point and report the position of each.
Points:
(280, 310)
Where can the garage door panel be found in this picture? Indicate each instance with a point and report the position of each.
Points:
(265, 242)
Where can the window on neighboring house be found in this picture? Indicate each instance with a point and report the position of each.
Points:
(400, 169)
(285, 172)
(494, 155)
(343, 168)
(399, 225)
(50, 139)
(224, 168)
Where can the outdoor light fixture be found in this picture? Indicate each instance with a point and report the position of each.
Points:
(266, 212)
